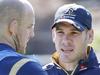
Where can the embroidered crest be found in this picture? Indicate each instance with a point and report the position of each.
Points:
(70, 12)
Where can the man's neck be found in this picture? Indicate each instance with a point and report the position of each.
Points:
(6, 41)
(68, 66)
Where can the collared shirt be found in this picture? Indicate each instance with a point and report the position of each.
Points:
(88, 67)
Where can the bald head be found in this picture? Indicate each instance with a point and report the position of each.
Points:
(14, 9)
(16, 23)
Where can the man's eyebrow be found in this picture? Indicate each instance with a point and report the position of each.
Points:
(74, 29)
(58, 28)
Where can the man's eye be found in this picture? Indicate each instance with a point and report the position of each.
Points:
(75, 33)
(60, 32)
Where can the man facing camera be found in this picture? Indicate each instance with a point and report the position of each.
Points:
(72, 35)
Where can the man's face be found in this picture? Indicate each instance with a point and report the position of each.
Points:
(70, 43)
(26, 30)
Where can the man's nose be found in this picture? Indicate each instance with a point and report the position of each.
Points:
(67, 40)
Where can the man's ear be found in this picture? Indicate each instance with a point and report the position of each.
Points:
(90, 36)
(13, 27)
(53, 34)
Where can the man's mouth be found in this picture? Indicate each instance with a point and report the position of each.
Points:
(67, 50)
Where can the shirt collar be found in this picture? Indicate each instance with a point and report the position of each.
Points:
(91, 59)
(4, 46)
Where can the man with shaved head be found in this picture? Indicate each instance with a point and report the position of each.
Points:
(17, 21)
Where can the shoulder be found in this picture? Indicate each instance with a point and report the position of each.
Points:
(30, 68)
(19, 64)
(23, 66)
(92, 71)
(33, 65)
